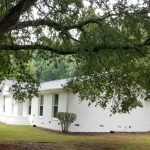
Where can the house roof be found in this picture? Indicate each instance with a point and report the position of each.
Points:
(50, 85)
(7, 82)
(53, 85)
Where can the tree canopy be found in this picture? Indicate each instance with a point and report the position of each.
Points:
(108, 41)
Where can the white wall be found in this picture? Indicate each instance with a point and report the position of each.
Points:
(15, 113)
(25, 108)
(8, 105)
(47, 120)
(8, 102)
(1, 104)
(95, 119)
(89, 119)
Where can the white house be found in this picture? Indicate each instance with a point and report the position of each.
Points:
(41, 111)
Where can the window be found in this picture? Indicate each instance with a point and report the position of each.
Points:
(30, 102)
(4, 104)
(41, 103)
(55, 105)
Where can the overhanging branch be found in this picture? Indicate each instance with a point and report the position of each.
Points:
(96, 49)
(36, 47)
(58, 26)
(12, 17)
(37, 23)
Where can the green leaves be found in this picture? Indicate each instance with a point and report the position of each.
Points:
(113, 79)
(108, 41)
(66, 119)
(16, 66)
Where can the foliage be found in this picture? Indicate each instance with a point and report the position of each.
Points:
(66, 119)
(61, 68)
(111, 80)
(18, 66)
(109, 42)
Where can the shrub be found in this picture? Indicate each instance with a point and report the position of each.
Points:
(66, 119)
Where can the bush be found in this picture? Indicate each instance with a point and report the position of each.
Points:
(66, 119)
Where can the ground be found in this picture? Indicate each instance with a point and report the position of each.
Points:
(29, 138)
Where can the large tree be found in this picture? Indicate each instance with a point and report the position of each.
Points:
(109, 41)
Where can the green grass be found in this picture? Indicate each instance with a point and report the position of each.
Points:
(12, 134)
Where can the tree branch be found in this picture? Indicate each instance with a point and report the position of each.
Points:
(12, 17)
(96, 49)
(36, 47)
(58, 26)
(36, 23)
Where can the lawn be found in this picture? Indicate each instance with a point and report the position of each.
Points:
(21, 137)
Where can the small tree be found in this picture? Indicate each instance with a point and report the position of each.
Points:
(66, 119)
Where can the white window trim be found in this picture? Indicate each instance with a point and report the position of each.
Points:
(4, 104)
(30, 104)
(54, 119)
(53, 101)
(41, 116)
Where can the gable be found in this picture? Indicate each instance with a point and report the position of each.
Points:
(5, 87)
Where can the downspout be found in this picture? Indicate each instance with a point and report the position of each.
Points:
(68, 101)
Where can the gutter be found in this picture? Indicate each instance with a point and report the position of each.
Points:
(68, 102)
